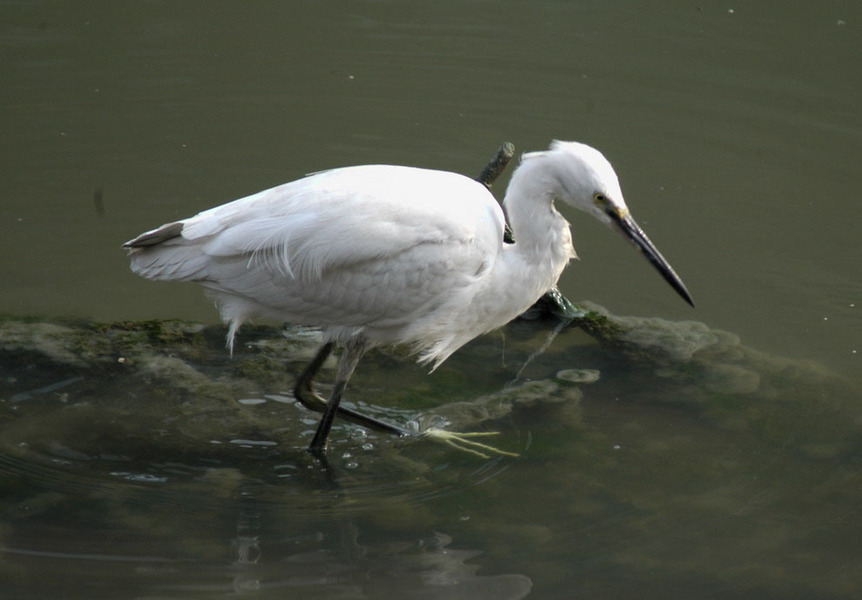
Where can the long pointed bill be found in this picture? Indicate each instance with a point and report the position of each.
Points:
(636, 235)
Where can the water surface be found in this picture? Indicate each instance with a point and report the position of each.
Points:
(735, 131)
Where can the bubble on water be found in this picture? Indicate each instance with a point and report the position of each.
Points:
(139, 477)
(251, 401)
(279, 398)
(579, 375)
(253, 443)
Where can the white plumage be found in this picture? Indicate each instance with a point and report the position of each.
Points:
(379, 254)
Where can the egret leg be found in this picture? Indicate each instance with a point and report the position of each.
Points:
(353, 351)
(304, 392)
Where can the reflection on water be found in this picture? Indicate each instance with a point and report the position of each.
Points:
(210, 531)
(318, 559)
(339, 564)
(213, 529)
(675, 452)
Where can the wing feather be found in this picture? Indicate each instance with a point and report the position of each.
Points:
(346, 247)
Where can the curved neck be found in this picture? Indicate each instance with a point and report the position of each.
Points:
(533, 264)
(522, 273)
(543, 240)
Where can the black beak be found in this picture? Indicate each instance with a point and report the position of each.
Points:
(626, 224)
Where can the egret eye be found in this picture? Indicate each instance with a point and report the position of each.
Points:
(601, 199)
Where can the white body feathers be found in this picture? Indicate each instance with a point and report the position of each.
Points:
(396, 254)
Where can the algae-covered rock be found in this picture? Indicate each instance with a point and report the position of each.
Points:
(161, 376)
(174, 384)
(635, 443)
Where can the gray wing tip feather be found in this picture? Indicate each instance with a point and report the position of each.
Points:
(157, 236)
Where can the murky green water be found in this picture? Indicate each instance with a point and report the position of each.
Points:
(729, 472)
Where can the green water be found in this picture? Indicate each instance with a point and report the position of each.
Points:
(733, 472)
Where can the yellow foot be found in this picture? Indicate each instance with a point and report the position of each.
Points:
(464, 441)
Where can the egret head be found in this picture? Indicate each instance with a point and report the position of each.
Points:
(580, 176)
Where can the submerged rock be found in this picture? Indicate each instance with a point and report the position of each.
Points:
(688, 440)
(172, 383)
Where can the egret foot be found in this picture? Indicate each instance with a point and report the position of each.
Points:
(465, 442)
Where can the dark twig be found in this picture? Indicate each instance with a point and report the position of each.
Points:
(493, 169)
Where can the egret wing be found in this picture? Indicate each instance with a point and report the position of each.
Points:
(351, 246)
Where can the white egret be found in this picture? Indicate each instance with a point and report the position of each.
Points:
(383, 255)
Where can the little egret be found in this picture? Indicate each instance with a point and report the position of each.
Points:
(383, 255)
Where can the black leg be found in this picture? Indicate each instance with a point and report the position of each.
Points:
(304, 392)
(353, 351)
